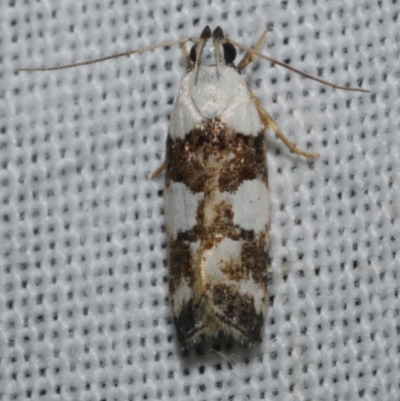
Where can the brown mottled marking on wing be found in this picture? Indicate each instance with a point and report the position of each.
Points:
(238, 311)
(253, 262)
(183, 165)
(247, 161)
(180, 265)
(255, 258)
(187, 326)
(236, 157)
(234, 269)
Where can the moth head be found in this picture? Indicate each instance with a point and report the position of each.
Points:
(212, 50)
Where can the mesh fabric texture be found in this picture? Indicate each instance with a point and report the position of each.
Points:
(84, 279)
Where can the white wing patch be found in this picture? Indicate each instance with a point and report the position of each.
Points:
(180, 208)
(250, 205)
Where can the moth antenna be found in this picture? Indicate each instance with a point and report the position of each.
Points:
(260, 55)
(98, 60)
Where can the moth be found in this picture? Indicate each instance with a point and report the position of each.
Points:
(216, 191)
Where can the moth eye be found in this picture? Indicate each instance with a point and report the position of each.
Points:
(229, 53)
(193, 54)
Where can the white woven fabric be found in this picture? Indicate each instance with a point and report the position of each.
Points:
(84, 280)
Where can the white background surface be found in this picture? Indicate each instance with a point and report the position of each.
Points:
(84, 294)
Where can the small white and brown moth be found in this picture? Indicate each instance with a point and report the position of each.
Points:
(216, 196)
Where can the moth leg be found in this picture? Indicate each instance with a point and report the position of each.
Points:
(269, 122)
(248, 57)
(159, 170)
(186, 57)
